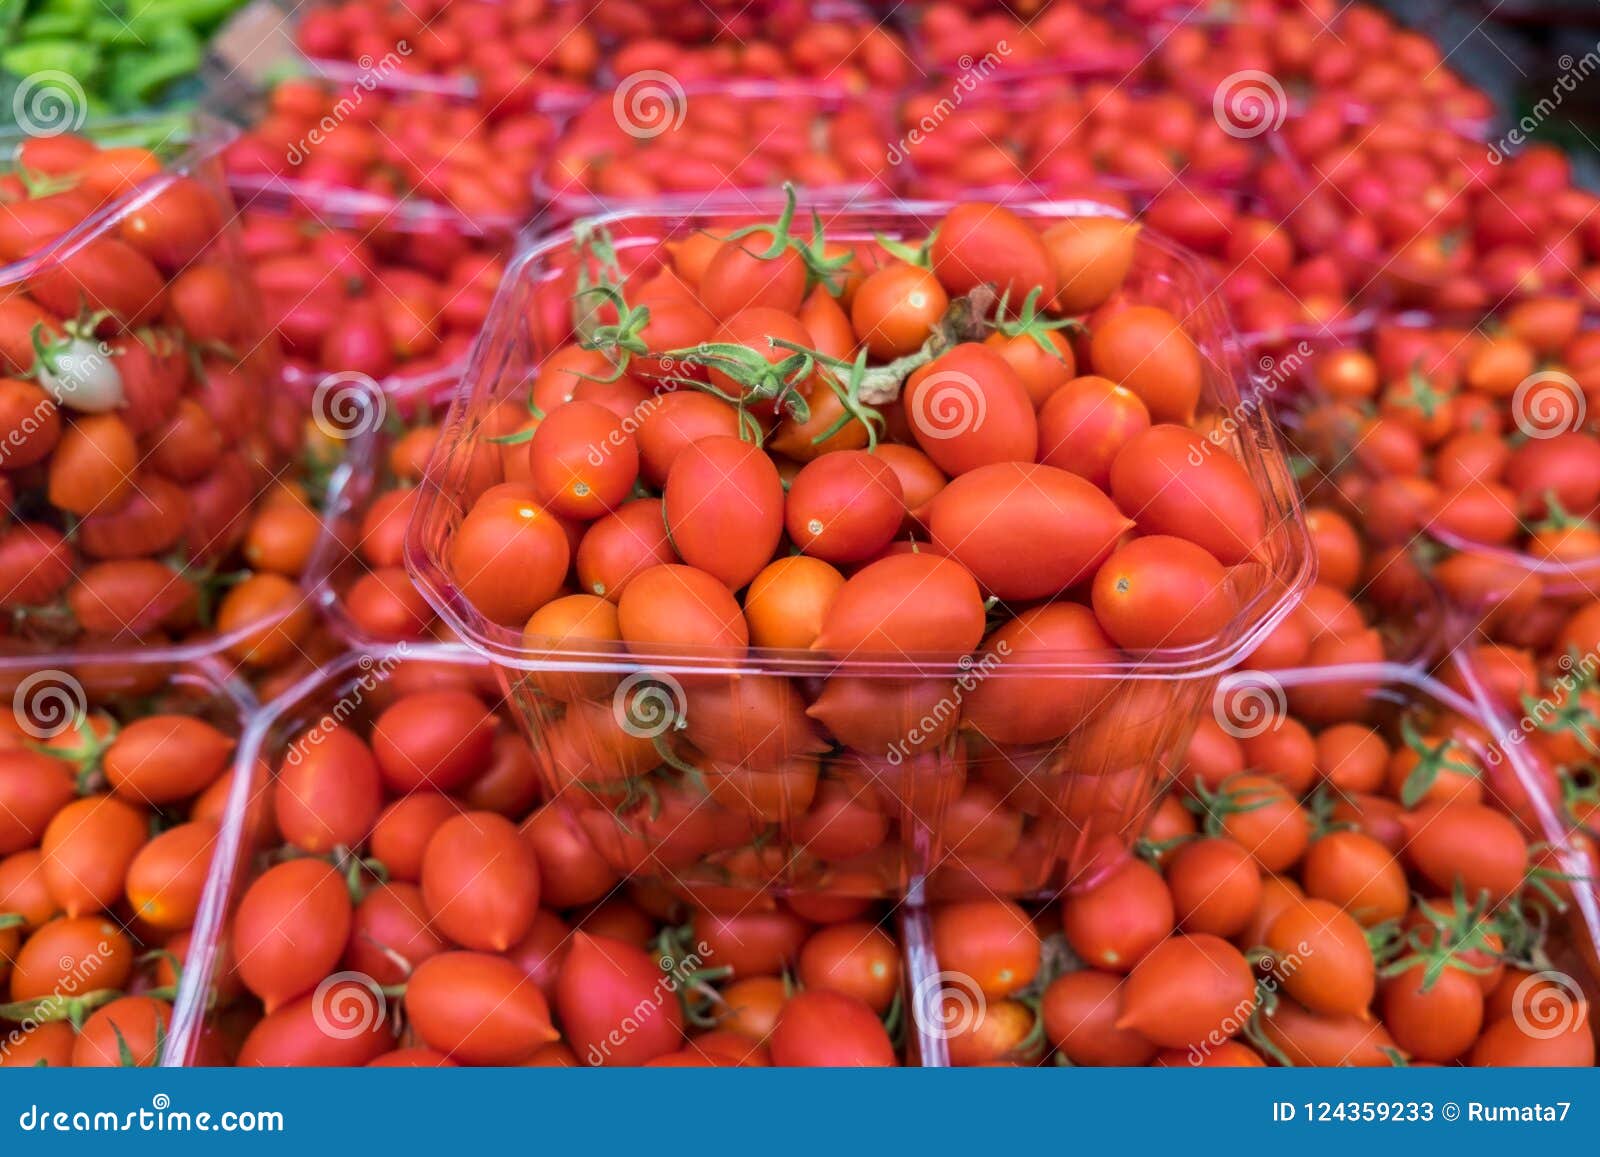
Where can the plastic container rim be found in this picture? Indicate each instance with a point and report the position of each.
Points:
(1199, 660)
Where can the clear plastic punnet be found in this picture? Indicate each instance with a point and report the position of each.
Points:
(386, 154)
(1509, 544)
(361, 588)
(739, 788)
(144, 424)
(356, 1003)
(655, 141)
(1060, 40)
(103, 719)
(396, 301)
(1441, 740)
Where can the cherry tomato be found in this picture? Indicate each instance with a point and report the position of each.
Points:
(896, 308)
(605, 984)
(87, 848)
(1173, 481)
(1435, 1021)
(1186, 989)
(872, 612)
(844, 507)
(72, 955)
(1084, 424)
(167, 876)
(290, 930)
(1114, 924)
(679, 606)
(992, 941)
(1146, 349)
(1323, 957)
(128, 1032)
(857, 959)
(1080, 1010)
(787, 602)
(724, 505)
(328, 791)
(480, 880)
(33, 788)
(433, 741)
(390, 934)
(296, 1033)
(163, 758)
(583, 460)
(1021, 707)
(830, 1029)
(968, 408)
(1025, 531)
(1215, 885)
(1466, 845)
(617, 547)
(977, 244)
(1091, 257)
(1160, 591)
(509, 555)
(1359, 874)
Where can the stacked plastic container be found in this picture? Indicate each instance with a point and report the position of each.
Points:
(1081, 798)
(148, 443)
(412, 217)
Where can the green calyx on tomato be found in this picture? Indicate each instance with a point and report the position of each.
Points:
(919, 255)
(1215, 806)
(355, 870)
(820, 268)
(848, 391)
(1030, 324)
(1557, 517)
(1465, 937)
(75, 369)
(776, 383)
(621, 337)
(703, 1006)
(1419, 394)
(87, 756)
(965, 321)
(1431, 761)
(1580, 796)
(38, 185)
(45, 1009)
